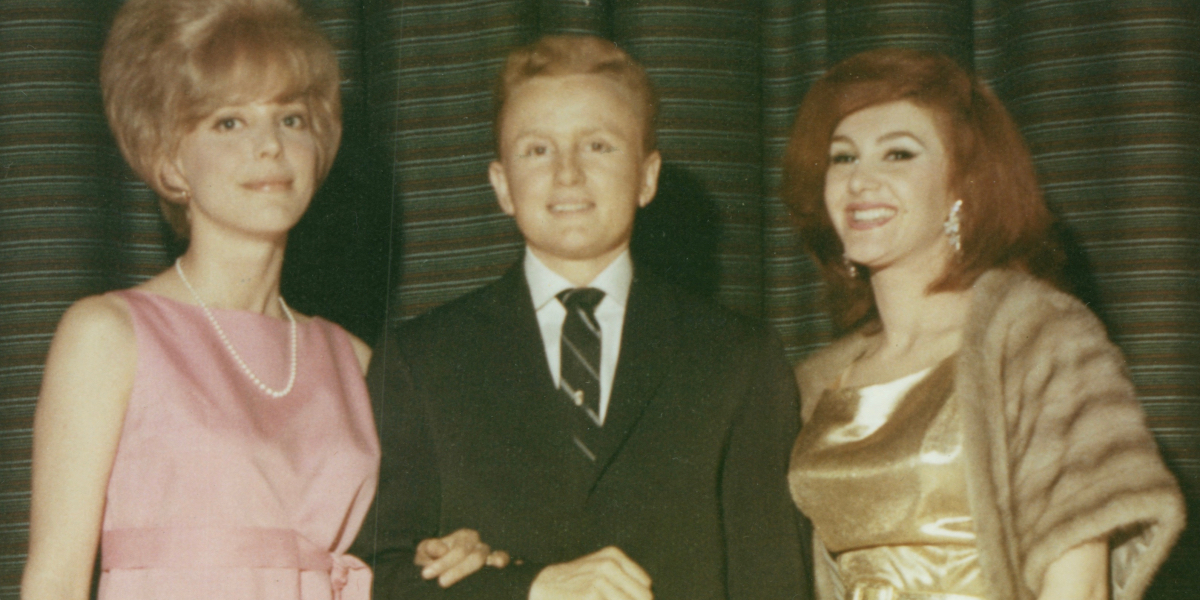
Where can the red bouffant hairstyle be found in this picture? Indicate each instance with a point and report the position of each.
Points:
(1005, 222)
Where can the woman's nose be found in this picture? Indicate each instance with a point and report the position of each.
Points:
(269, 144)
(862, 179)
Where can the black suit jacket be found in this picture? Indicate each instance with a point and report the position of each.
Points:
(689, 481)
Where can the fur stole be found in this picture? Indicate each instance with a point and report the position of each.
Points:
(1056, 443)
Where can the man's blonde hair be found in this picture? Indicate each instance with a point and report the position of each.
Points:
(562, 55)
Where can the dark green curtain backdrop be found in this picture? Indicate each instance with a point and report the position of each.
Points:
(1107, 93)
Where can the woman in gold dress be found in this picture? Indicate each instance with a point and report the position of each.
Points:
(976, 435)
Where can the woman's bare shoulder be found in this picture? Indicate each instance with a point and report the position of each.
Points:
(103, 318)
(92, 360)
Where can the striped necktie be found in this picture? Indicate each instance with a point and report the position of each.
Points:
(579, 371)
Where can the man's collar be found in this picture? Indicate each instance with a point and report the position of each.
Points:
(544, 283)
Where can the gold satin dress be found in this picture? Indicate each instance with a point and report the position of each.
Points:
(880, 473)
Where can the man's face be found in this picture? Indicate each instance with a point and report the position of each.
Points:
(573, 170)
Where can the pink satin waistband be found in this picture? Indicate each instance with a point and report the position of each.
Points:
(234, 547)
(252, 547)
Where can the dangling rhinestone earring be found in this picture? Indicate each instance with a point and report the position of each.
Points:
(952, 227)
(851, 268)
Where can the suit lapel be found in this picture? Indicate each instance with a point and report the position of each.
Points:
(532, 405)
(515, 357)
(649, 342)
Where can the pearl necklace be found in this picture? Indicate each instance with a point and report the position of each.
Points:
(232, 351)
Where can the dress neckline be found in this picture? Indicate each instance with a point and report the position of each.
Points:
(916, 376)
(300, 321)
(904, 382)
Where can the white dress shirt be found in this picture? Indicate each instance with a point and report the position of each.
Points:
(614, 281)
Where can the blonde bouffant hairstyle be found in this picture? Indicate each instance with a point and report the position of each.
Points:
(168, 64)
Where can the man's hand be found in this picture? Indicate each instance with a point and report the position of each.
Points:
(603, 575)
(455, 556)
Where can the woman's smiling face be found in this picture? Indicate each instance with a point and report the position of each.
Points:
(887, 187)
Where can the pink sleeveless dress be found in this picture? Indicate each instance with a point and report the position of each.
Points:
(219, 491)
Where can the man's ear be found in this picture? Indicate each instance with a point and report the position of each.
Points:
(650, 169)
(499, 182)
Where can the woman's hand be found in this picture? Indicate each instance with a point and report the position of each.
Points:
(1081, 573)
(449, 559)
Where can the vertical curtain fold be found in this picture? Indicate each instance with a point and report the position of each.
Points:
(439, 59)
(703, 57)
(795, 53)
(62, 219)
(1107, 93)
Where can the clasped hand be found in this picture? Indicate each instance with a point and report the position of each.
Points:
(451, 558)
(607, 574)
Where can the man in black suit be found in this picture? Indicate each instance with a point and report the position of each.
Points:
(619, 438)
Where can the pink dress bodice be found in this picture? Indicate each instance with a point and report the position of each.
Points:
(220, 491)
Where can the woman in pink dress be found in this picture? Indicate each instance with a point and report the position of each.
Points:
(211, 441)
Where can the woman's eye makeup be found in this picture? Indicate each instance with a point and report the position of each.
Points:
(226, 123)
(295, 121)
(900, 154)
(891, 155)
